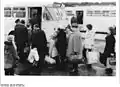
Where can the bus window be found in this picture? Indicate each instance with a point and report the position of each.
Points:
(113, 13)
(89, 13)
(19, 12)
(69, 13)
(46, 15)
(7, 12)
(105, 13)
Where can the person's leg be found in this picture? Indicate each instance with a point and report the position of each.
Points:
(84, 52)
(103, 59)
(22, 55)
(6, 71)
(57, 62)
(11, 71)
(75, 66)
(62, 62)
(41, 60)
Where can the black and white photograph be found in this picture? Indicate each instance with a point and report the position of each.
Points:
(60, 39)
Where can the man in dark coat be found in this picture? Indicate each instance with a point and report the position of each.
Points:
(109, 47)
(21, 39)
(39, 41)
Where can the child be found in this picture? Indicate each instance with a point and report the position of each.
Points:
(10, 56)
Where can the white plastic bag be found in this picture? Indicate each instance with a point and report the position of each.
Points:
(52, 50)
(50, 60)
(33, 55)
(93, 57)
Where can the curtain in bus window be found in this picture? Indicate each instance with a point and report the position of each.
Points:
(57, 14)
(52, 12)
(19, 12)
(62, 13)
(7, 12)
(46, 15)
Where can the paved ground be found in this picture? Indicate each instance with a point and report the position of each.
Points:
(98, 69)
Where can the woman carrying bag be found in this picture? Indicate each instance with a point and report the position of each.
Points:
(89, 40)
(74, 51)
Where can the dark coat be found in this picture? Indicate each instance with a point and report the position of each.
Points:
(61, 43)
(39, 41)
(110, 45)
(21, 34)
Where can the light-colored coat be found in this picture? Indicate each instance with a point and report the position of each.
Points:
(74, 44)
(89, 39)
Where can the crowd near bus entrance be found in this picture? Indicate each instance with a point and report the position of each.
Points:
(28, 51)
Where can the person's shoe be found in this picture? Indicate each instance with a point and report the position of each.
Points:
(74, 72)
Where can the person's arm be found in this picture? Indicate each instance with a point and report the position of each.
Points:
(26, 36)
(45, 42)
(51, 47)
(14, 52)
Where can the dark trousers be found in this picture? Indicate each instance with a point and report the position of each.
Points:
(60, 62)
(20, 50)
(9, 71)
(75, 66)
(103, 57)
(42, 59)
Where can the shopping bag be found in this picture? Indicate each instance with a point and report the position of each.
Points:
(33, 55)
(111, 62)
(76, 59)
(50, 60)
(54, 52)
(92, 57)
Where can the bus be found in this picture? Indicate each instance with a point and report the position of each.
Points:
(51, 17)
(100, 16)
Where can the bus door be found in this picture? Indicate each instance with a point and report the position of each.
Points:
(35, 15)
(79, 15)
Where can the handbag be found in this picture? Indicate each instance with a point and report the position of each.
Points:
(50, 60)
(76, 58)
(111, 62)
(92, 57)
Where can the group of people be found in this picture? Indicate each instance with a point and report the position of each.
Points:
(65, 44)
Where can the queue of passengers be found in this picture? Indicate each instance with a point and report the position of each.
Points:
(66, 44)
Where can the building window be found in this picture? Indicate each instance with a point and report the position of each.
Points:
(7, 12)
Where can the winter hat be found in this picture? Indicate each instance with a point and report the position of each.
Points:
(10, 38)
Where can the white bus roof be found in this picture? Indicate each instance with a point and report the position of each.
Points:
(26, 4)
